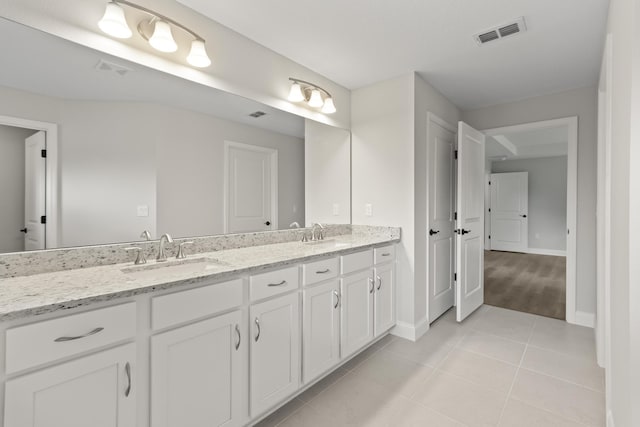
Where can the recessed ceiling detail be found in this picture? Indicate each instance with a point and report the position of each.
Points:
(502, 31)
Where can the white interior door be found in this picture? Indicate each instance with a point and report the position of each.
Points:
(441, 224)
(470, 223)
(251, 188)
(34, 192)
(509, 209)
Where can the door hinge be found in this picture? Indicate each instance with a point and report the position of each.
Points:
(489, 209)
(455, 277)
(455, 154)
(489, 236)
(43, 219)
(455, 215)
(43, 153)
(489, 182)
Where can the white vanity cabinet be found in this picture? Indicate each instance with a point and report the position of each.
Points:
(96, 391)
(196, 374)
(275, 351)
(384, 298)
(356, 329)
(320, 329)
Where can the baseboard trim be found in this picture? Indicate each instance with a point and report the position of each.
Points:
(582, 318)
(409, 331)
(553, 252)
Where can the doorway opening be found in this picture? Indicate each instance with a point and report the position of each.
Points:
(28, 153)
(530, 218)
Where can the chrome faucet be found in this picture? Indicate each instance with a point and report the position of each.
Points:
(317, 231)
(294, 225)
(145, 235)
(166, 238)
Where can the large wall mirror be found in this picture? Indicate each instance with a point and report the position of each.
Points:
(130, 149)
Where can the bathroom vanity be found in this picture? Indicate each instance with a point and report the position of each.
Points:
(218, 339)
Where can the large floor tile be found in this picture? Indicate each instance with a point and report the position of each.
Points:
(578, 370)
(519, 414)
(425, 351)
(482, 370)
(321, 385)
(399, 375)
(402, 412)
(560, 397)
(507, 324)
(461, 400)
(493, 346)
(308, 416)
(563, 337)
(278, 416)
(352, 401)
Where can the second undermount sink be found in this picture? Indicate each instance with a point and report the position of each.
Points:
(184, 266)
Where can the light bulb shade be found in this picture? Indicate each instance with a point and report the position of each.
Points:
(114, 23)
(198, 55)
(162, 39)
(328, 107)
(295, 94)
(316, 99)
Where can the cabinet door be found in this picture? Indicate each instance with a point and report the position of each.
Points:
(385, 298)
(275, 351)
(321, 329)
(97, 391)
(196, 374)
(356, 329)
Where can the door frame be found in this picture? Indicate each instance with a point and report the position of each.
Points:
(572, 316)
(433, 118)
(52, 193)
(274, 180)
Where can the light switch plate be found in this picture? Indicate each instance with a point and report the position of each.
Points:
(368, 209)
(336, 209)
(143, 210)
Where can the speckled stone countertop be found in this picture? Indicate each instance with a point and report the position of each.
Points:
(37, 294)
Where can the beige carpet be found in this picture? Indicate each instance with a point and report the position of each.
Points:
(525, 282)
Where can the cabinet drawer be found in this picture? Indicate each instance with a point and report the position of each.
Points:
(273, 283)
(314, 272)
(50, 340)
(172, 309)
(356, 261)
(384, 254)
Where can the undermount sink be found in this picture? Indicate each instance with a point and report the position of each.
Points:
(327, 243)
(184, 266)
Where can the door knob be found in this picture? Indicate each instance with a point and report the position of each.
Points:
(23, 230)
(523, 216)
(267, 223)
(431, 232)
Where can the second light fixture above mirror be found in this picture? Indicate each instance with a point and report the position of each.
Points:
(313, 95)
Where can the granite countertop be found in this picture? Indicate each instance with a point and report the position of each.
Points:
(33, 295)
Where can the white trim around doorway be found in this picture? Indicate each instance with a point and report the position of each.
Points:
(572, 199)
(52, 185)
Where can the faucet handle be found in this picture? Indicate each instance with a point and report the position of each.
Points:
(181, 254)
(140, 258)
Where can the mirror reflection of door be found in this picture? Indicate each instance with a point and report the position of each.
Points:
(251, 185)
(22, 189)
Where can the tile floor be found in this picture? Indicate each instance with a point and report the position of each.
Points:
(498, 368)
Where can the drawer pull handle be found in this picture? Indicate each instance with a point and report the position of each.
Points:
(386, 254)
(239, 337)
(379, 282)
(88, 334)
(372, 285)
(337, 299)
(258, 326)
(284, 282)
(323, 271)
(127, 370)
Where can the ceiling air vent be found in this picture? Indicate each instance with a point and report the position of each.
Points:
(257, 114)
(111, 67)
(502, 31)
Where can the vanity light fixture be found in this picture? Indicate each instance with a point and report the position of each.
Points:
(157, 30)
(312, 94)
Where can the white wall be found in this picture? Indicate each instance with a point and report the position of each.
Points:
(582, 103)
(12, 150)
(389, 169)
(327, 173)
(117, 156)
(240, 65)
(547, 199)
(623, 378)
